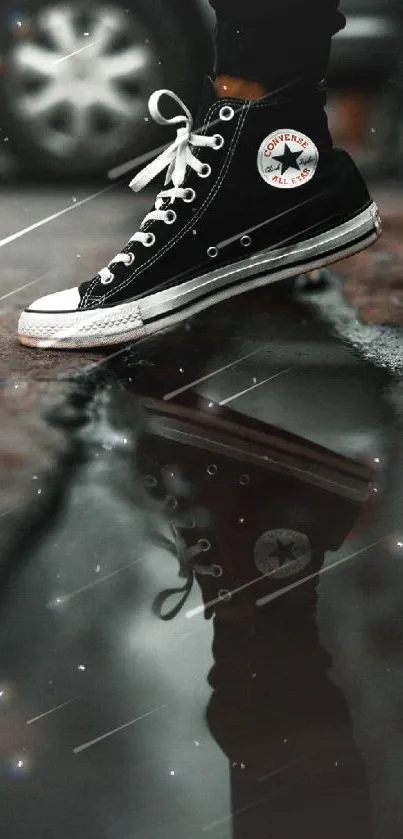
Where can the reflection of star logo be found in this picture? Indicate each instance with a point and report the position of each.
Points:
(289, 159)
(284, 552)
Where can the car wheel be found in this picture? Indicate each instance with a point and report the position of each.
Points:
(76, 77)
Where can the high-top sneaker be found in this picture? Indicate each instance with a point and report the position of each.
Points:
(254, 508)
(254, 195)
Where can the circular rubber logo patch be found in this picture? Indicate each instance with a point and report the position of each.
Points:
(287, 159)
(282, 553)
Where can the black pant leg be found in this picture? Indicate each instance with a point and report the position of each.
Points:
(275, 42)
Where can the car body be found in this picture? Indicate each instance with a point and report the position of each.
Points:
(75, 75)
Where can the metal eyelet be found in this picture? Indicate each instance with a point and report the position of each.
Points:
(204, 544)
(218, 141)
(149, 481)
(190, 195)
(106, 282)
(205, 171)
(130, 259)
(224, 594)
(212, 469)
(216, 570)
(226, 113)
(246, 241)
(212, 252)
(150, 240)
(170, 216)
(171, 502)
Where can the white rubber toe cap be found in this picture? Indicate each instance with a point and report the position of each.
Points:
(61, 301)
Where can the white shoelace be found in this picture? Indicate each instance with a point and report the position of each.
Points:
(176, 158)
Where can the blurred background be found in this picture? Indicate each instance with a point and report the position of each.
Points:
(75, 78)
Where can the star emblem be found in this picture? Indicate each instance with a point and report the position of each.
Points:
(284, 552)
(288, 160)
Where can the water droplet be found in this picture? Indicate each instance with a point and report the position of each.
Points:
(39, 491)
(97, 569)
(244, 479)
(74, 199)
(172, 772)
(81, 667)
(181, 370)
(377, 460)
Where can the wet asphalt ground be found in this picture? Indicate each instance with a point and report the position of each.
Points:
(281, 716)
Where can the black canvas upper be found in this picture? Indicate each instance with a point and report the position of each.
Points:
(235, 199)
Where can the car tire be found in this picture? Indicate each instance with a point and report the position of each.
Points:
(159, 34)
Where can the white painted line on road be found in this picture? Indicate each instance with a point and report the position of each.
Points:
(258, 384)
(51, 711)
(21, 287)
(12, 238)
(96, 740)
(269, 597)
(62, 599)
(179, 390)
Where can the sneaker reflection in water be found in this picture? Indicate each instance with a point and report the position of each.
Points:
(257, 555)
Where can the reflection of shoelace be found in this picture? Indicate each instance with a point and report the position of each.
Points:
(176, 158)
(188, 567)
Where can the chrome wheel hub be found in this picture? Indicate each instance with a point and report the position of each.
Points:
(80, 76)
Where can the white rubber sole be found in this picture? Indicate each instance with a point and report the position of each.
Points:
(138, 318)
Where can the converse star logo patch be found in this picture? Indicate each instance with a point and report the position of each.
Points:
(287, 159)
(282, 553)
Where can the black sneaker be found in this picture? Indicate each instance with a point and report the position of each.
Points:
(256, 195)
(254, 508)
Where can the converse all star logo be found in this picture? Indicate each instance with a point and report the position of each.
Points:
(287, 159)
(282, 553)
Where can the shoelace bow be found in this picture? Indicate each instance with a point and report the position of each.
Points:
(175, 159)
(188, 567)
